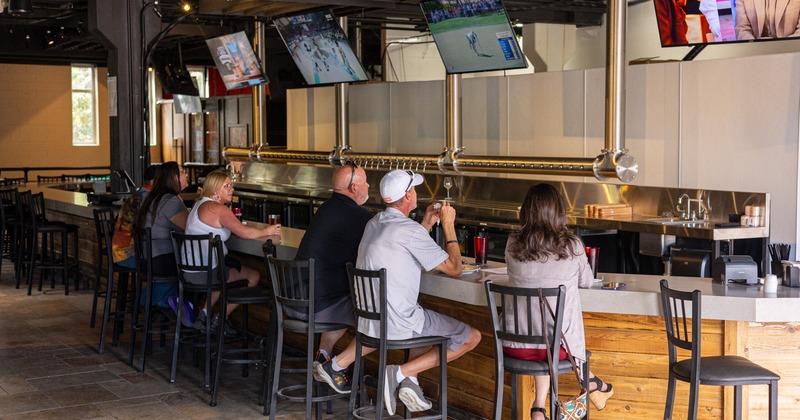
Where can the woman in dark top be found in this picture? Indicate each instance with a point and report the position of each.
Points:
(164, 212)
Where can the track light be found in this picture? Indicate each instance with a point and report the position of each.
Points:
(186, 6)
(19, 7)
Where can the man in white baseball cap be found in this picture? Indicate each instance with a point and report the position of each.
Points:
(403, 247)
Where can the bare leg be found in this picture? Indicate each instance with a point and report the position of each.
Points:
(328, 339)
(430, 359)
(542, 385)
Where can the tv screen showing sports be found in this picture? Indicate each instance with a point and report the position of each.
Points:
(174, 76)
(697, 22)
(320, 48)
(473, 35)
(237, 63)
(185, 104)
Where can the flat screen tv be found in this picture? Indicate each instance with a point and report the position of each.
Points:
(237, 63)
(185, 104)
(173, 74)
(473, 35)
(320, 48)
(698, 22)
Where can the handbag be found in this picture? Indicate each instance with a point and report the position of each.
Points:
(573, 408)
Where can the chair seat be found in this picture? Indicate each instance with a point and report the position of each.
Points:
(726, 371)
(531, 367)
(374, 342)
(249, 295)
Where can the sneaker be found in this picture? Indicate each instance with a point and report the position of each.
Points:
(188, 310)
(390, 388)
(411, 395)
(227, 328)
(319, 359)
(200, 322)
(339, 381)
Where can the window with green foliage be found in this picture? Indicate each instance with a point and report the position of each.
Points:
(84, 106)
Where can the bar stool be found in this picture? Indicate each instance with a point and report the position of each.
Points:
(145, 280)
(10, 229)
(709, 370)
(35, 223)
(244, 297)
(103, 255)
(123, 310)
(194, 253)
(293, 285)
(524, 305)
(368, 291)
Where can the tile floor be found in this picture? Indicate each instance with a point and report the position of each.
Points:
(49, 368)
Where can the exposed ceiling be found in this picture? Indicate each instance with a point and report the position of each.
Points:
(56, 31)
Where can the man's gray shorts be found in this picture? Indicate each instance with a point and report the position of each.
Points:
(340, 312)
(442, 325)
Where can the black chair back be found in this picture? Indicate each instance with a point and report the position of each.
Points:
(368, 293)
(291, 285)
(8, 203)
(682, 318)
(199, 253)
(512, 323)
(101, 217)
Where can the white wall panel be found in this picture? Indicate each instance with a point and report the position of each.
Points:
(484, 125)
(653, 122)
(370, 117)
(418, 123)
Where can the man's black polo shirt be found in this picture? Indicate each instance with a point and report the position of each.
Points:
(332, 241)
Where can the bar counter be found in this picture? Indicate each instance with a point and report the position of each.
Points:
(624, 331)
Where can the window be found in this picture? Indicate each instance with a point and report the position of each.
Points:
(84, 106)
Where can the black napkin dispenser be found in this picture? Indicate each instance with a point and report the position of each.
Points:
(734, 269)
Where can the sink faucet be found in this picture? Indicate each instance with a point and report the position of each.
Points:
(687, 213)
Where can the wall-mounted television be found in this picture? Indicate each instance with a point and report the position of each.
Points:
(698, 22)
(173, 74)
(319, 48)
(473, 35)
(185, 104)
(237, 63)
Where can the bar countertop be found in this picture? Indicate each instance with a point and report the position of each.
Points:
(641, 296)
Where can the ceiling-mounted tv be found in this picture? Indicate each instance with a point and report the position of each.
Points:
(174, 76)
(320, 48)
(237, 63)
(697, 22)
(473, 35)
(185, 104)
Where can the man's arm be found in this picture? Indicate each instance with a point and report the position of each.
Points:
(452, 265)
(744, 29)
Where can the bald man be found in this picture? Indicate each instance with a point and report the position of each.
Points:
(332, 241)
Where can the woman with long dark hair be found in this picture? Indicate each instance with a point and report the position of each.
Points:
(164, 212)
(544, 254)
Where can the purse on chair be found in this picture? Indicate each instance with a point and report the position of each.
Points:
(573, 408)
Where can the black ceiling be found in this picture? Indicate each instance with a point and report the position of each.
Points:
(24, 38)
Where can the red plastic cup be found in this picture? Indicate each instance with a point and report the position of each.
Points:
(480, 244)
(593, 254)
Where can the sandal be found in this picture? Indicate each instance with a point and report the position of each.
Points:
(599, 397)
(538, 410)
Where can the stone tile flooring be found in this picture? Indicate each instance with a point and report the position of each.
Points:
(49, 368)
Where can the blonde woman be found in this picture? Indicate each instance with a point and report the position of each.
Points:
(211, 214)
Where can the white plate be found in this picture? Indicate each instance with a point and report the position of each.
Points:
(469, 269)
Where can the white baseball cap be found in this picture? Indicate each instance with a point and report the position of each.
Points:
(395, 184)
